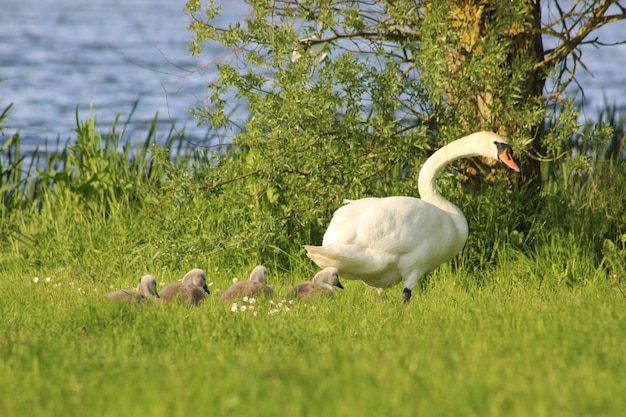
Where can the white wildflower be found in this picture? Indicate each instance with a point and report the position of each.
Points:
(36, 280)
(251, 300)
(49, 279)
(243, 307)
(80, 290)
(245, 298)
(234, 308)
(235, 280)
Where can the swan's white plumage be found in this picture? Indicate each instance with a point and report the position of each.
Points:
(384, 241)
(381, 240)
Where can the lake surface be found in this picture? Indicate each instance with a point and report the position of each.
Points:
(55, 56)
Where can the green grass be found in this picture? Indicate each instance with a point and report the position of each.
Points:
(455, 350)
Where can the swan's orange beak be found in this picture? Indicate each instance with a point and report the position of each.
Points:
(506, 157)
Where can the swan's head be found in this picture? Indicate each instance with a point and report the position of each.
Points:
(259, 274)
(329, 276)
(197, 278)
(505, 154)
(494, 146)
(148, 286)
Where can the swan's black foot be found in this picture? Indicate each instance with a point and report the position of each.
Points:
(406, 295)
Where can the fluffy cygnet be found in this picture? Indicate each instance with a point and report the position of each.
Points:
(254, 287)
(145, 290)
(192, 288)
(323, 284)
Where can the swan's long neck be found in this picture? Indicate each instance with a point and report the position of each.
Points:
(461, 148)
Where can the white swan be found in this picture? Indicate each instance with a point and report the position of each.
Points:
(384, 241)
(146, 289)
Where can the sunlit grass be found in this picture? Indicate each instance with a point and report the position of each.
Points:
(490, 351)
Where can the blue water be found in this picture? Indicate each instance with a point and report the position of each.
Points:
(57, 55)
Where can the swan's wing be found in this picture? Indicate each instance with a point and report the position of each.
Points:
(373, 266)
(393, 224)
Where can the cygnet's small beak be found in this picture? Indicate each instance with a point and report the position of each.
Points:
(339, 284)
(206, 289)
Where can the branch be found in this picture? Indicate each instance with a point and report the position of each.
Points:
(569, 44)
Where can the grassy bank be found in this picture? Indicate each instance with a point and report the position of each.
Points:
(529, 320)
(513, 348)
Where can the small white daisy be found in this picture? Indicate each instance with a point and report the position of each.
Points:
(36, 280)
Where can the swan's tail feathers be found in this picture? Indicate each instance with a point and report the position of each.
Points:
(352, 261)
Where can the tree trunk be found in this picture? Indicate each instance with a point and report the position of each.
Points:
(491, 108)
